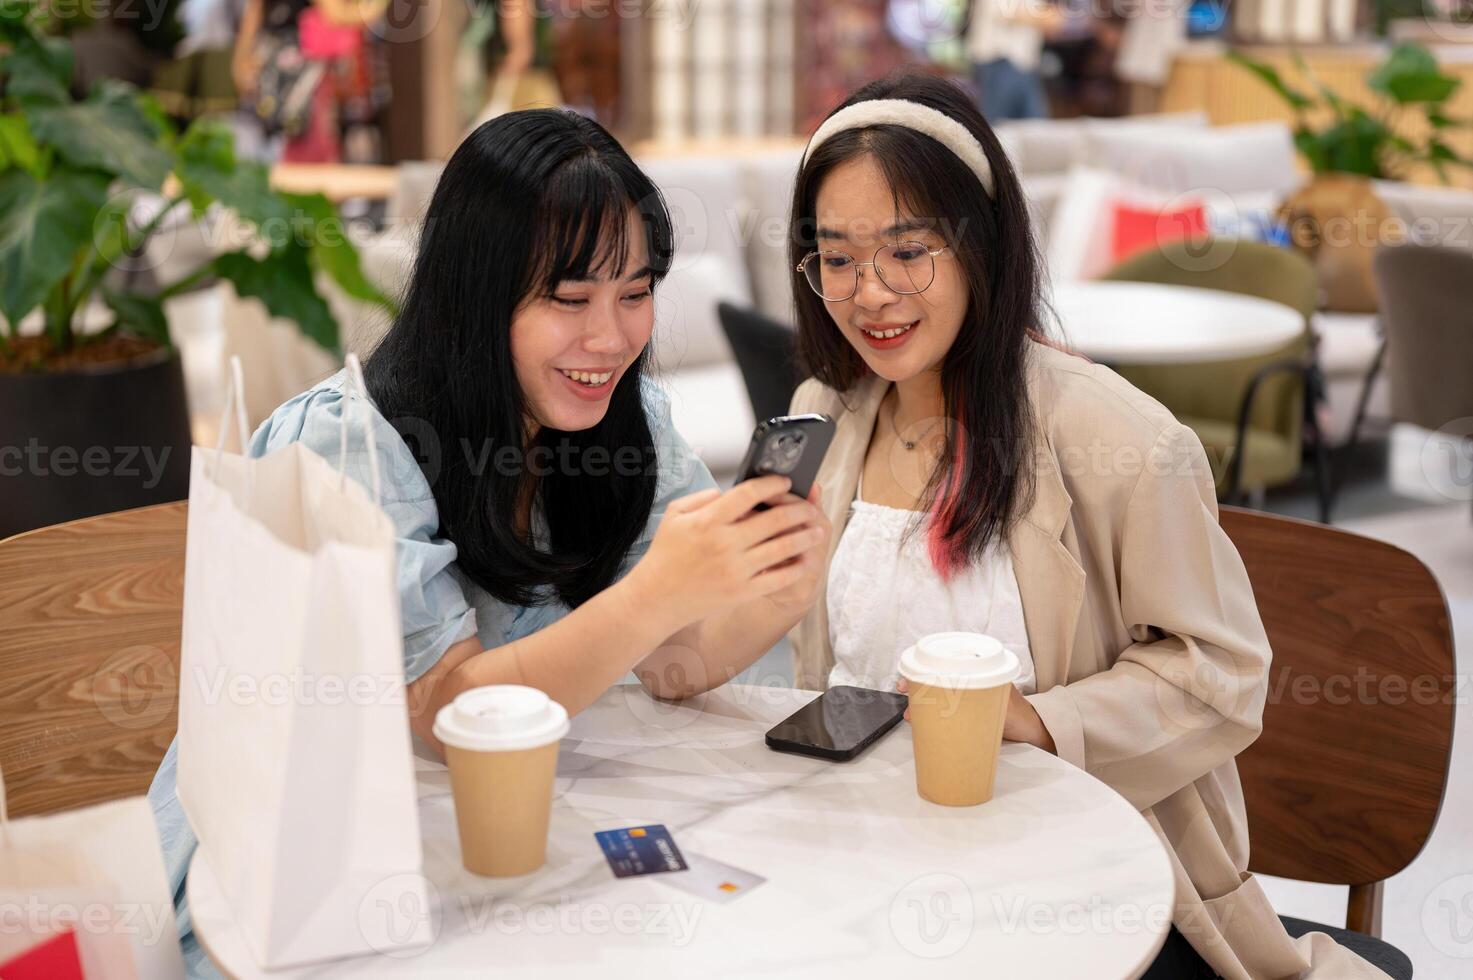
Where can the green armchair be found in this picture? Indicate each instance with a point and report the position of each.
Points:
(1250, 413)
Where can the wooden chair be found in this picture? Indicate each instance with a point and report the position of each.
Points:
(1345, 782)
(89, 656)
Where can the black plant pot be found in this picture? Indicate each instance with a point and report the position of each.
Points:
(81, 442)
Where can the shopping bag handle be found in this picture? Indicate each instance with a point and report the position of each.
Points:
(234, 397)
(355, 374)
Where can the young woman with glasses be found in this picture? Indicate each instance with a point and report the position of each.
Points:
(982, 479)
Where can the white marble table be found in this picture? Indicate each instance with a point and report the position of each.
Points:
(1057, 876)
(1150, 323)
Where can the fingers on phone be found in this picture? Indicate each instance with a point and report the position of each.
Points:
(736, 502)
(775, 521)
(779, 577)
(692, 501)
(784, 547)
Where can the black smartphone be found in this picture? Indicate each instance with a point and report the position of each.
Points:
(791, 446)
(838, 724)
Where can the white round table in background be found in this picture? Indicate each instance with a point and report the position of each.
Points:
(1056, 876)
(1151, 323)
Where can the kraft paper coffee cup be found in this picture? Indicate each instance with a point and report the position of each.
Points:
(959, 688)
(501, 745)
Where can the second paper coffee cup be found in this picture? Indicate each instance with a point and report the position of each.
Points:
(959, 688)
(501, 744)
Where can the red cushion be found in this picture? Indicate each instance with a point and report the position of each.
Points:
(1141, 229)
(51, 959)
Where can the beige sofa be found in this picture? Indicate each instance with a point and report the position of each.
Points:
(731, 218)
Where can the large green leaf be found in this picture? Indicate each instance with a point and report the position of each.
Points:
(148, 104)
(326, 234)
(1310, 144)
(17, 147)
(1271, 77)
(1355, 145)
(140, 315)
(43, 224)
(209, 172)
(38, 70)
(1332, 99)
(1410, 74)
(108, 132)
(114, 231)
(1439, 154)
(1441, 120)
(283, 282)
(15, 20)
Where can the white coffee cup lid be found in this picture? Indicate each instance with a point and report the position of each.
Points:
(501, 717)
(959, 660)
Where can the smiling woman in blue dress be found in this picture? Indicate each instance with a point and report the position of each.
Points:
(553, 528)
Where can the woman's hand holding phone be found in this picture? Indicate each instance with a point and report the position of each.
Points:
(712, 550)
(795, 598)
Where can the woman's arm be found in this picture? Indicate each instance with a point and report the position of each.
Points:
(711, 651)
(703, 558)
(352, 13)
(243, 67)
(574, 660)
(1189, 695)
(1047, 17)
(519, 32)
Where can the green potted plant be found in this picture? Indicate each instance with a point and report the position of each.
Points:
(1347, 146)
(93, 416)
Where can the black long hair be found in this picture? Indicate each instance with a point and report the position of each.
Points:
(528, 200)
(984, 477)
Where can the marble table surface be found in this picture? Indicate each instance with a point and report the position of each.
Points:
(1056, 876)
(1153, 323)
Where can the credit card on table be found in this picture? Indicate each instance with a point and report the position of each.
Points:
(714, 880)
(643, 850)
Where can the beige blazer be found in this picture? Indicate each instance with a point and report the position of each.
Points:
(1152, 661)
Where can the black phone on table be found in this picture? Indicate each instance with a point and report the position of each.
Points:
(838, 724)
(791, 446)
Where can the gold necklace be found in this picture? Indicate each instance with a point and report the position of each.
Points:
(910, 444)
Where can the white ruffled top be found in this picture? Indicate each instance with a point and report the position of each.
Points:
(884, 594)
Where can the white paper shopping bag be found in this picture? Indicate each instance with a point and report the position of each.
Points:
(295, 767)
(83, 895)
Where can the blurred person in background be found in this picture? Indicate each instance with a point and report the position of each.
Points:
(511, 44)
(313, 75)
(1152, 35)
(117, 40)
(1004, 43)
(196, 81)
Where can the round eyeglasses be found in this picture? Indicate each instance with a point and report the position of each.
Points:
(904, 267)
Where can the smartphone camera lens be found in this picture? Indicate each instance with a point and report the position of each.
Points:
(781, 454)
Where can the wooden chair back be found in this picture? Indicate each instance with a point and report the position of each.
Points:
(89, 656)
(1345, 782)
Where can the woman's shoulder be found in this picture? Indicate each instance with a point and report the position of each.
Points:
(1078, 402)
(815, 396)
(315, 419)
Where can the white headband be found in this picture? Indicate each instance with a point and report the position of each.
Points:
(912, 115)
